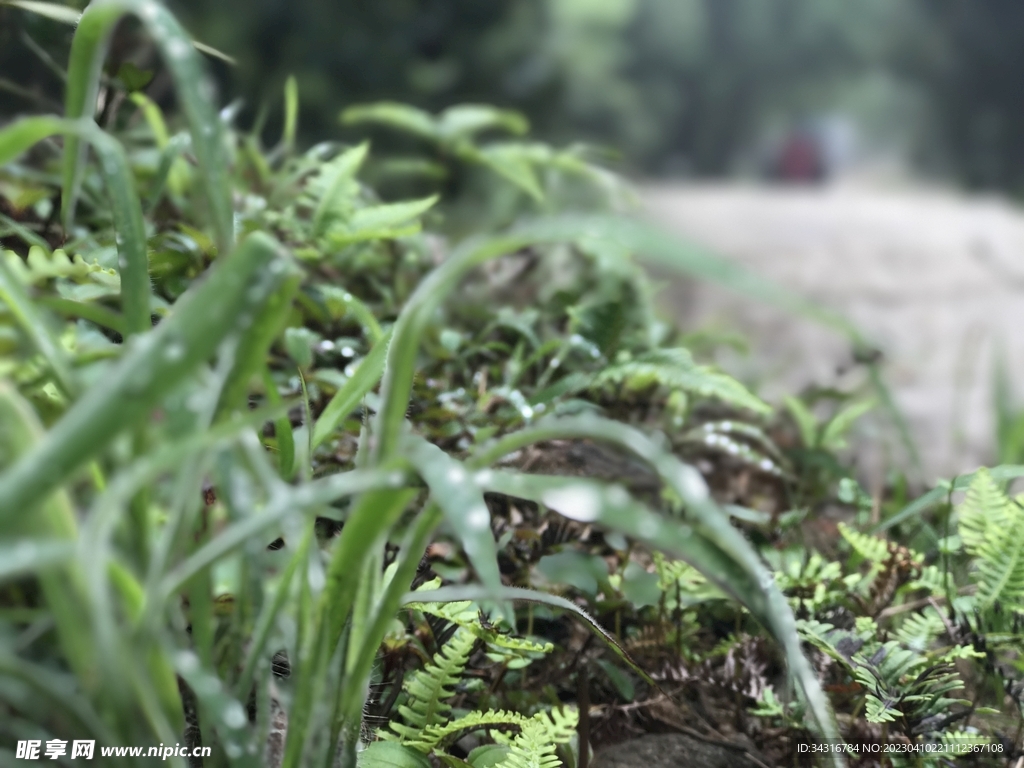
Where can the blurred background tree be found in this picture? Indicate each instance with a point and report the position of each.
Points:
(678, 87)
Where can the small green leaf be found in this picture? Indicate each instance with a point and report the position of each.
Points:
(133, 78)
(639, 586)
(623, 684)
(393, 115)
(805, 421)
(585, 572)
(487, 755)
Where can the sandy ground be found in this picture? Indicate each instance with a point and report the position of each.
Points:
(935, 279)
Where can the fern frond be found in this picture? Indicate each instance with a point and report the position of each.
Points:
(39, 267)
(919, 630)
(675, 370)
(984, 505)
(534, 747)
(872, 548)
(435, 737)
(429, 688)
(466, 615)
(992, 529)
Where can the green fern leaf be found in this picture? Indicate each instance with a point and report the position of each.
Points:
(984, 504)
(429, 687)
(992, 529)
(675, 370)
(920, 630)
(535, 745)
(872, 548)
(435, 737)
(40, 267)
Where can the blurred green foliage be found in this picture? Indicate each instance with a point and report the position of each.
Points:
(678, 86)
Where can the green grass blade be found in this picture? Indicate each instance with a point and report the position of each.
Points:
(219, 305)
(133, 261)
(168, 155)
(88, 51)
(309, 496)
(27, 556)
(283, 432)
(937, 495)
(35, 326)
(251, 353)
(63, 589)
(347, 398)
(364, 532)
(53, 11)
(265, 623)
(725, 556)
(59, 692)
(414, 544)
(94, 313)
(291, 113)
(222, 711)
(462, 503)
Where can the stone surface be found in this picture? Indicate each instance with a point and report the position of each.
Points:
(935, 279)
(669, 750)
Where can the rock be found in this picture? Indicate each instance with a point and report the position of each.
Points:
(669, 750)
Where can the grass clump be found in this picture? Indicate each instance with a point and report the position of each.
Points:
(250, 401)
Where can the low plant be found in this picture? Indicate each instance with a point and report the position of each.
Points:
(249, 350)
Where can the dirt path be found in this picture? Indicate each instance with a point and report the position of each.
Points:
(935, 279)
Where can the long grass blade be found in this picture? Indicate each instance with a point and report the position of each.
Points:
(346, 399)
(88, 51)
(940, 493)
(35, 326)
(133, 262)
(463, 505)
(723, 555)
(221, 304)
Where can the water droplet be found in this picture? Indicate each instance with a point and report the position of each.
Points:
(478, 518)
(648, 527)
(456, 475)
(692, 484)
(527, 412)
(234, 716)
(174, 351)
(347, 352)
(177, 49)
(579, 502)
(555, 362)
(617, 496)
(187, 662)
